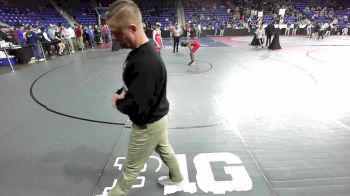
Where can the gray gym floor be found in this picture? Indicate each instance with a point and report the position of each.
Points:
(243, 121)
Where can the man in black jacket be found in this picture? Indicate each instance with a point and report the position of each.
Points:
(142, 98)
(269, 31)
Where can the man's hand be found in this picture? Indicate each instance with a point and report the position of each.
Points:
(116, 98)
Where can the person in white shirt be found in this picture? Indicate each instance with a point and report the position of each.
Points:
(260, 35)
(345, 31)
(67, 37)
(177, 34)
(72, 38)
(199, 30)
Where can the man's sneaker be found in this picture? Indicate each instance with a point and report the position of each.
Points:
(32, 61)
(41, 60)
(165, 180)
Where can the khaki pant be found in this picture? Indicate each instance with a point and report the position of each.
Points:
(80, 42)
(143, 140)
(70, 44)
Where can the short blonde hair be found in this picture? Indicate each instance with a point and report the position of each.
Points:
(125, 11)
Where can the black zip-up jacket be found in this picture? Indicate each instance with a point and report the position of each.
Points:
(145, 78)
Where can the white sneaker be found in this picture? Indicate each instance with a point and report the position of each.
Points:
(32, 61)
(41, 60)
(165, 180)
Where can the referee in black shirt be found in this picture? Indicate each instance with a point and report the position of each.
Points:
(142, 98)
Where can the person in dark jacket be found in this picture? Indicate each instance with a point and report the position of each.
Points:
(97, 34)
(33, 41)
(269, 31)
(20, 36)
(275, 44)
(90, 32)
(321, 32)
(317, 29)
(142, 97)
(45, 41)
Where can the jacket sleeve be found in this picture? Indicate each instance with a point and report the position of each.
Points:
(141, 95)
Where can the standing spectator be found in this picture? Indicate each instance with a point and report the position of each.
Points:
(222, 29)
(105, 33)
(109, 34)
(20, 36)
(79, 34)
(217, 28)
(67, 37)
(97, 33)
(287, 29)
(73, 39)
(33, 41)
(309, 31)
(91, 37)
(295, 29)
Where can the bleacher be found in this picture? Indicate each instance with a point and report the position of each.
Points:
(302, 4)
(163, 11)
(207, 12)
(85, 17)
(17, 11)
(81, 11)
